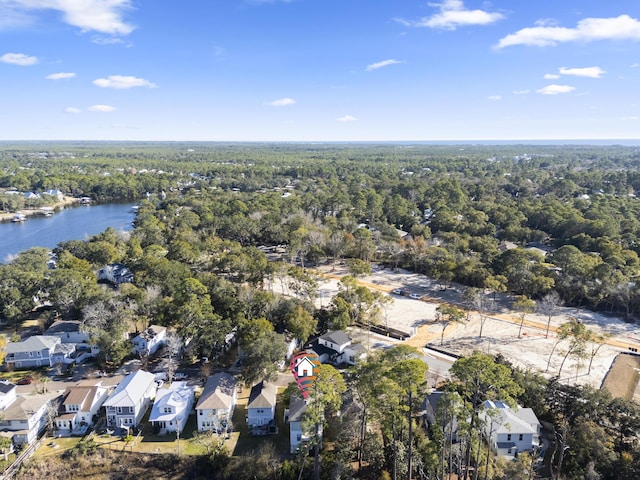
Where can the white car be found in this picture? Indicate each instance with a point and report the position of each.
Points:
(415, 296)
(180, 376)
(398, 291)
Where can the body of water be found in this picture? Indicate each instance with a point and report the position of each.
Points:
(74, 223)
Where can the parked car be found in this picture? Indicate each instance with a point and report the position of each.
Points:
(415, 296)
(28, 380)
(180, 376)
(398, 291)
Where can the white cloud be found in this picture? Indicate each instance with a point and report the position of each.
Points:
(521, 92)
(623, 27)
(551, 76)
(635, 65)
(73, 109)
(281, 102)
(104, 16)
(494, 97)
(60, 76)
(556, 89)
(384, 63)
(100, 40)
(591, 72)
(102, 108)
(452, 15)
(121, 82)
(346, 119)
(19, 59)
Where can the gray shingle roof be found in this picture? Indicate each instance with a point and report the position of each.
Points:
(32, 344)
(218, 392)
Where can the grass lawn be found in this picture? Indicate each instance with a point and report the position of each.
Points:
(56, 446)
(246, 443)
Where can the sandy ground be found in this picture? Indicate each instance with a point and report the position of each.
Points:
(500, 332)
(65, 202)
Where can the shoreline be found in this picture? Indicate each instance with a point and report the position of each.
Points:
(65, 202)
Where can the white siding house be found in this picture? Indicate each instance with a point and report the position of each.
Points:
(147, 342)
(217, 402)
(80, 404)
(171, 407)
(261, 408)
(27, 416)
(510, 431)
(294, 416)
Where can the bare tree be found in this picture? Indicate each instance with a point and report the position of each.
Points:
(549, 305)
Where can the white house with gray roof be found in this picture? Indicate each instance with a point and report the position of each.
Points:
(26, 417)
(217, 402)
(337, 347)
(126, 406)
(510, 431)
(36, 351)
(261, 408)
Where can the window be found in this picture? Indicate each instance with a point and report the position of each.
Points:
(199, 412)
(509, 451)
(39, 354)
(520, 437)
(167, 409)
(508, 438)
(119, 409)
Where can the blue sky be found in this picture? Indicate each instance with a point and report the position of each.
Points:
(319, 70)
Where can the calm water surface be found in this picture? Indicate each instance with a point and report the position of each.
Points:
(75, 223)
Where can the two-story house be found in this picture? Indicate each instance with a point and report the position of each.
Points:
(26, 417)
(36, 351)
(510, 431)
(80, 405)
(8, 394)
(294, 415)
(217, 402)
(171, 407)
(72, 333)
(147, 343)
(337, 347)
(115, 273)
(126, 406)
(261, 408)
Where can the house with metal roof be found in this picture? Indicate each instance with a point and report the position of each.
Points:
(171, 407)
(126, 406)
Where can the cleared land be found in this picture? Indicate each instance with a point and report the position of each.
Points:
(500, 332)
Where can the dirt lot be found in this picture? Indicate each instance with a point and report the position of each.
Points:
(500, 332)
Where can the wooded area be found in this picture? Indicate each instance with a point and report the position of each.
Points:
(552, 224)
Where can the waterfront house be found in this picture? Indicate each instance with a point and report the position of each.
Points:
(7, 394)
(217, 402)
(126, 406)
(28, 416)
(171, 407)
(80, 406)
(115, 273)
